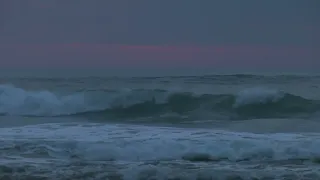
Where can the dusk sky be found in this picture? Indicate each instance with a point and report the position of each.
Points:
(160, 33)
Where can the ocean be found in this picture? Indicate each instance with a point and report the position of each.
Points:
(226, 127)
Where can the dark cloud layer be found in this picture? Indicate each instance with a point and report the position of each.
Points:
(165, 22)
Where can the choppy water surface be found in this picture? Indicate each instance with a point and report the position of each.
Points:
(199, 127)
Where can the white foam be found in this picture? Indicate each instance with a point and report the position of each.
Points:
(17, 101)
(135, 143)
(257, 95)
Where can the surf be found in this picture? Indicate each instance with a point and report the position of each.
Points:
(249, 103)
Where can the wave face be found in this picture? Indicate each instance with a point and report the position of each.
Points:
(134, 103)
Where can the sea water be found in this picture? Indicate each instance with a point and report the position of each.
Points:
(240, 126)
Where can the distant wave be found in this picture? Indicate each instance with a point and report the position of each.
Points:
(249, 103)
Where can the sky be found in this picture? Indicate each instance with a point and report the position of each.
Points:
(126, 34)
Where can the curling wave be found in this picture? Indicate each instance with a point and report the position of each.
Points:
(249, 103)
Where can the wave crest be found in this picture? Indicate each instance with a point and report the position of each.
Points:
(249, 103)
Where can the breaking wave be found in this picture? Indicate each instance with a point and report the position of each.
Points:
(129, 103)
(128, 150)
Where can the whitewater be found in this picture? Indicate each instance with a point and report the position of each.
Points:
(180, 127)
